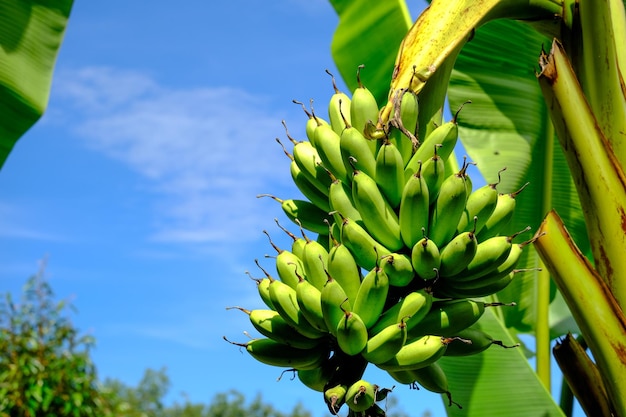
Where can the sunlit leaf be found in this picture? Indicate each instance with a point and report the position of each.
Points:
(31, 33)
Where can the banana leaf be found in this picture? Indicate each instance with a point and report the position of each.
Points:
(31, 33)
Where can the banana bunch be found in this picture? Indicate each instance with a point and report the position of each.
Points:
(403, 252)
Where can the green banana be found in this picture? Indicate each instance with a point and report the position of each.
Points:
(316, 379)
(403, 135)
(448, 208)
(307, 188)
(371, 297)
(285, 301)
(389, 172)
(379, 217)
(458, 254)
(472, 341)
(403, 377)
(479, 287)
(360, 396)
(343, 267)
(434, 379)
(308, 160)
(341, 203)
(501, 216)
(413, 307)
(447, 317)
(398, 268)
(303, 212)
(332, 297)
(271, 352)
(285, 261)
(445, 135)
(414, 209)
(339, 104)
(351, 333)
(365, 249)
(363, 109)
(263, 288)
(480, 204)
(426, 258)
(270, 324)
(385, 344)
(297, 247)
(354, 145)
(417, 354)
(312, 122)
(309, 299)
(327, 144)
(434, 173)
(315, 262)
(490, 255)
(335, 397)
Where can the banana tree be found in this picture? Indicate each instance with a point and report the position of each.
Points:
(31, 33)
(548, 100)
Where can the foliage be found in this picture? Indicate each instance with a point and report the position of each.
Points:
(45, 368)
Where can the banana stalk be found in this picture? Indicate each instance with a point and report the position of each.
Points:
(597, 173)
(582, 376)
(596, 311)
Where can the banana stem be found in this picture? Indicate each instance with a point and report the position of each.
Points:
(596, 311)
(597, 173)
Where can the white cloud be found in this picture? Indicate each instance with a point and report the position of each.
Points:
(206, 152)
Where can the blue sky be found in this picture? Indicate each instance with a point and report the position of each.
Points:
(139, 183)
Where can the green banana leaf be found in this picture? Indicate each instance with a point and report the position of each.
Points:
(501, 383)
(31, 32)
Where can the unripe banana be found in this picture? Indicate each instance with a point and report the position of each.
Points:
(413, 307)
(481, 204)
(403, 377)
(365, 249)
(332, 297)
(360, 396)
(444, 135)
(363, 109)
(472, 341)
(306, 187)
(370, 300)
(379, 217)
(390, 173)
(315, 262)
(341, 203)
(309, 300)
(447, 209)
(354, 145)
(426, 258)
(434, 173)
(343, 267)
(329, 150)
(414, 209)
(270, 324)
(417, 354)
(285, 301)
(434, 379)
(303, 213)
(271, 352)
(287, 264)
(263, 288)
(312, 122)
(339, 103)
(490, 255)
(317, 378)
(335, 397)
(481, 287)
(447, 317)
(310, 164)
(297, 247)
(403, 135)
(501, 216)
(457, 254)
(385, 344)
(398, 268)
(351, 333)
